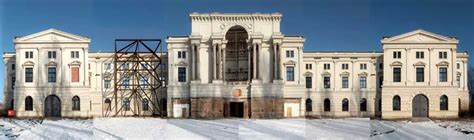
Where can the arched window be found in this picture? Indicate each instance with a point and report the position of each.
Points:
(145, 104)
(443, 102)
(327, 105)
(309, 105)
(126, 104)
(28, 103)
(107, 104)
(76, 103)
(396, 103)
(363, 104)
(345, 104)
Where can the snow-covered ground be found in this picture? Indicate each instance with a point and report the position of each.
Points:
(155, 128)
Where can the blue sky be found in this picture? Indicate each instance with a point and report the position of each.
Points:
(327, 25)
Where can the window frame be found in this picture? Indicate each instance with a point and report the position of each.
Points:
(420, 75)
(345, 82)
(309, 82)
(76, 103)
(397, 73)
(181, 74)
(443, 75)
(396, 103)
(290, 73)
(29, 79)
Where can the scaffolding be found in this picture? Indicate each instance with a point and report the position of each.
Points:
(138, 79)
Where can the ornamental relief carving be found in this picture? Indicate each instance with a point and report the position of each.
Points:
(226, 26)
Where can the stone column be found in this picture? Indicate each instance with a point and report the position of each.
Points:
(193, 63)
(197, 62)
(219, 62)
(275, 64)
(453, 67)
(249, 51)
(214, 64)
(223, 60)
(278, 61)
(254, 47)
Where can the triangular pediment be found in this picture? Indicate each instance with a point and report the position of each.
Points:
(52, 36)
(419, 36)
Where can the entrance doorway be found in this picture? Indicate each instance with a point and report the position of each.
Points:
(420, 106)
(237, 109)
(52, 106)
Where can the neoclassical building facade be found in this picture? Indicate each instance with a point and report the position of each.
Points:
(243, 66)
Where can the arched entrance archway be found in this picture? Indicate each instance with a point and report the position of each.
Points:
(236, 55)
(420, 106)
(52, 106)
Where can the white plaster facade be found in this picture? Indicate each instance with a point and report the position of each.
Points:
(267, 44)
(91, 88)
(269, 77)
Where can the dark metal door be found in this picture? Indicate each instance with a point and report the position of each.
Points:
(420, 106)
(52, 106)
(237, 109)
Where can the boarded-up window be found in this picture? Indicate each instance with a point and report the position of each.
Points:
(74, 74)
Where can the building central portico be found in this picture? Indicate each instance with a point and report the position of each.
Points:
(235, 58)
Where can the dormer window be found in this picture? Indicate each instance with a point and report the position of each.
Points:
(51, 54)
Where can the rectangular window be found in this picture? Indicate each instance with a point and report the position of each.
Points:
(458, 66)
(290, 54)
(327, 66)
(420, 55)
(397, 77)
(74, 54)
(327, 82)
(51, 54)
(290, 74)
(182, 74)
(443, 74)
(420, 74)
(443, 55)
(13, 66)
(125, 66)
(363, 66)
(52, 74)
(182, 54)
(381, 66)
(309, 66)
(397, 54)
(345, 66)
(13, 82)
(29, 54)
(107, 84)
(74, 74)
(125, 82)
(108, 66)
(28, 75)
(143, 81)
(363, 82)
(345, 82)
(309, 82)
